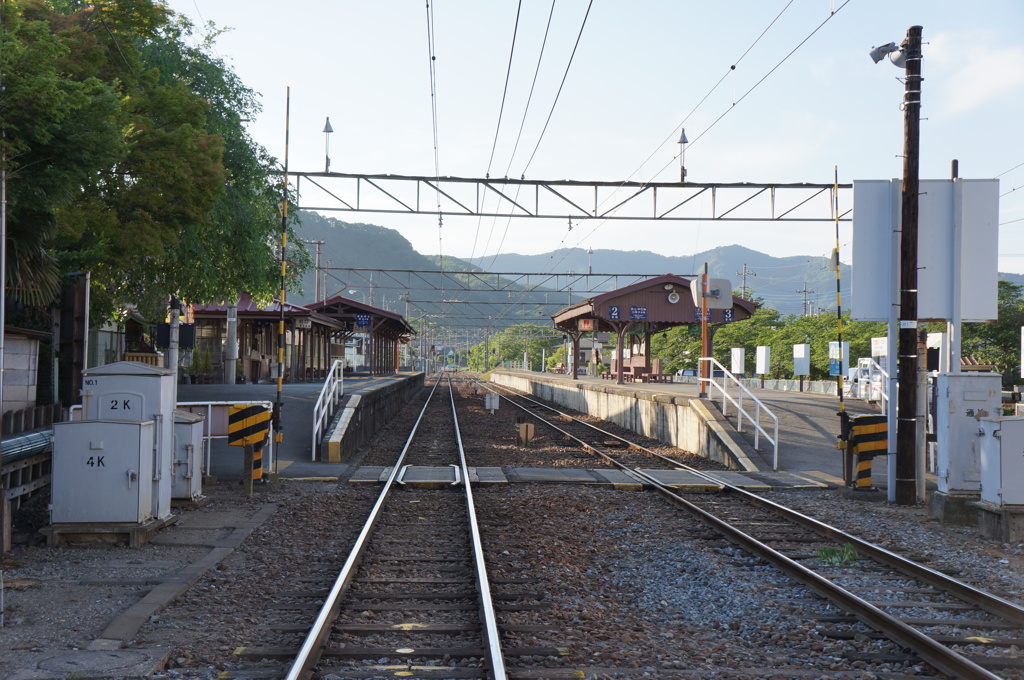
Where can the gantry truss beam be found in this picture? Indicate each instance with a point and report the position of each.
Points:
(572, 199)
(368, 280)
(473, 298)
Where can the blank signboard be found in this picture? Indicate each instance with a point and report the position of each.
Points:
(956, 219)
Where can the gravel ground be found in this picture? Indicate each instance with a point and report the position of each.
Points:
(631, 581)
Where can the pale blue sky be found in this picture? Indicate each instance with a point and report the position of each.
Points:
(641, 67)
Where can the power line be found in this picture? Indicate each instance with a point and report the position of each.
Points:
(504, 92)
(433, 111)
(497, 128)
(784, 59)
(560, 86)
(519, 136)
(551, 113)
(1009, 171)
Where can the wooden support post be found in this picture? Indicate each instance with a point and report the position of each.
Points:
(906, 429)
(247, 469)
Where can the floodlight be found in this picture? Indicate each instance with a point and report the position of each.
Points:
(877, 53)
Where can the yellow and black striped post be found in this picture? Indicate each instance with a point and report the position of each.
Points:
(868, 435)
(250, 424)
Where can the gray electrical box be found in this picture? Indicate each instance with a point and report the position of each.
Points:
(961, 401)
(1002, 461)
(101, 472)
(130, 390)
(187, 478)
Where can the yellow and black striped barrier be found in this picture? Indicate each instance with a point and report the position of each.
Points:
(250, 424)
(869, 435)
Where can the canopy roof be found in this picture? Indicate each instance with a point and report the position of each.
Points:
(356, 316)
(248, 309)
(662, 302)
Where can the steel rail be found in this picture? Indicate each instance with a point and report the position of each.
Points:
(312, 646)
(991, 603)
(938, 655)
(630, 444)
(490, 619)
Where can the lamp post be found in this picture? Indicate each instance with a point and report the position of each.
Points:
(327, 144)
(907, 56)
(683, 141)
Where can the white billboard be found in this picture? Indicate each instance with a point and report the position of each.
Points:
(764, 360)
(801, 359)
(958, 243)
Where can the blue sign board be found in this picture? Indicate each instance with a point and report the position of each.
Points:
(638, 313)
(362, 319)
(727, 314)
(696, 314)
(613, 313)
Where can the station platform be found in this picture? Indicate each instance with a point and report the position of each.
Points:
(808, 422)
(293, 457)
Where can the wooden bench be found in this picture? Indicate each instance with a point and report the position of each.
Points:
(658, 378)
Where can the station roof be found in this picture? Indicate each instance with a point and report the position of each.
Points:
(249, 309)
(663, 302)
(357, 317)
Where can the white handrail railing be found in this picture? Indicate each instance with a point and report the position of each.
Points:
(738, 403)
(330, 395)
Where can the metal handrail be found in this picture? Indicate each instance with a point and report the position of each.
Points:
(755, 420)
(330, 395)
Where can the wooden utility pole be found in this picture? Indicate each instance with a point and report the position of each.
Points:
(906, 429)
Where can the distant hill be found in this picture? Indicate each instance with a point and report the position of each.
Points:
(779, 281)
(790, 285)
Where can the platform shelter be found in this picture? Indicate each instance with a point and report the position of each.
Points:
(309, 337)
(386, 331)
(641, 310)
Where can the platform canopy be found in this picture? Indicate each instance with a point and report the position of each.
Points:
(385, 330)
(650, 306)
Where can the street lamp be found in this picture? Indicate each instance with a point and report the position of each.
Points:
(907, 56)
(327, 144)
(683, 141)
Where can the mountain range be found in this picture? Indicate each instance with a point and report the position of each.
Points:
(792, 285)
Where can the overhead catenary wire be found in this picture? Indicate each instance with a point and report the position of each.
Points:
(551, 112)
(433, 111)
(734, 104)
(522, 124)
(497, 127)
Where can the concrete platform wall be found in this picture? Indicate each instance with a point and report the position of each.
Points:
(682, 422)
(364, 413)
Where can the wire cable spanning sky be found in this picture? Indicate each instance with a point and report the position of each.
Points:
(638, 69)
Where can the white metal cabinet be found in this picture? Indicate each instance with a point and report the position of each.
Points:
(1002, 461)
(187, 477)
(962, 400)
(129, 390)
(101, 471)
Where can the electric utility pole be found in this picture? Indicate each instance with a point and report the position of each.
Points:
(906, 428)
(744, 274)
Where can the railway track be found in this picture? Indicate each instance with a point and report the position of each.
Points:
(413, 598)
(960, 630)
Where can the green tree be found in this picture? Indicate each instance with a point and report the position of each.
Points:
(510, 343)
(126, 156)
(998, 342)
